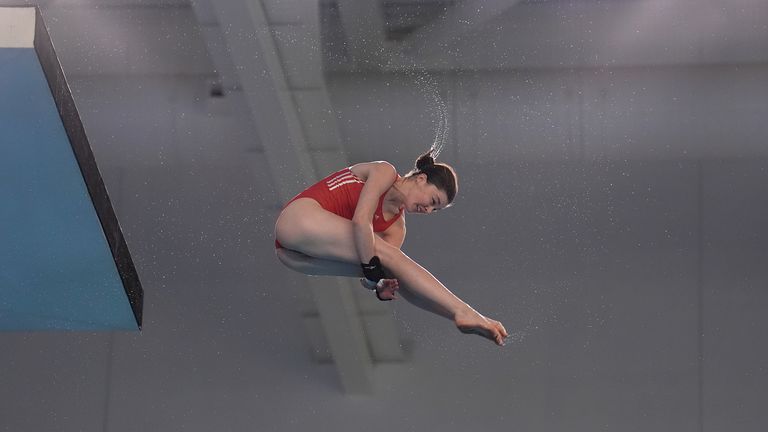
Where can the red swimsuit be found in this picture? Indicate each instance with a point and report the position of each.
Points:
(338, 193)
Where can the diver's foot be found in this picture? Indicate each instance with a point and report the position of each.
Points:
(471, 322)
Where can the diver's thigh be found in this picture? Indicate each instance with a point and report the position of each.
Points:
(306, 227)
(292, 225)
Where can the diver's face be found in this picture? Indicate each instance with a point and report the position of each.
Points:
(425, 197)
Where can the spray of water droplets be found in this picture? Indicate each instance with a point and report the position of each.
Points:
(437, 108)
(425, 82)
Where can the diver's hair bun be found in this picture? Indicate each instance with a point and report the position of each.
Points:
(425, 161)
(439, 174)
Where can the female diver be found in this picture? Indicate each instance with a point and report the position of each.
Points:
(351, 223)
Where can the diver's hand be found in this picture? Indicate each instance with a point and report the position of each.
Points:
(471, 322)
(386, 289)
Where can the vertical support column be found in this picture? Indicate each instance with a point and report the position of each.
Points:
(343, 328)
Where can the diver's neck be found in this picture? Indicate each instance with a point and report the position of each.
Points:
(395, 197)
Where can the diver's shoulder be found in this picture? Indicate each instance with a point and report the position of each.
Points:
(364, 169)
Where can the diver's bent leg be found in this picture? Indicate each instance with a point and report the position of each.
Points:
(417, 285)
(433, 296)
(335, 243)
(304, 226)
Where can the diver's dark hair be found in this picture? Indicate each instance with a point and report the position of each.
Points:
(442, 175)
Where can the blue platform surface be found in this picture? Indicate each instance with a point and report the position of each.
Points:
(57, 270)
